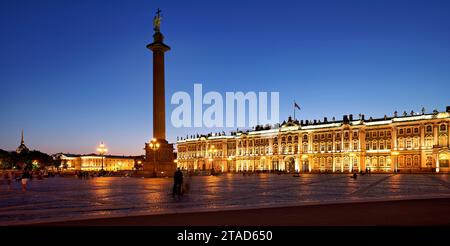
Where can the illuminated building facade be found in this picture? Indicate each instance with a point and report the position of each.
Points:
(407, 143)
(94, 162)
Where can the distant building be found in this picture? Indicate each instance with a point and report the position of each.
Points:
(22, 147)
(93, 162)
(411, 142)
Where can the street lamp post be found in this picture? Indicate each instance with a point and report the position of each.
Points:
(102, 151)
(154, 145)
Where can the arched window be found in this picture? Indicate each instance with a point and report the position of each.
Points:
(338, 146)
(416, 161)
(429, 128)
(382, 161)
(408, 161)
(374, 161)
(408, 143)
(401, 161)
(316, 163)
(330, 163)
(305, 137)
(443, 127)
(429, 141)
(374, 145)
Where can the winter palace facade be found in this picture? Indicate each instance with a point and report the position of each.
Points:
(414, 142)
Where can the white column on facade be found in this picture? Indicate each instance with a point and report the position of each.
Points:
(334, 150)
(448, 135)
(350, 163)
(437, 162)
(309, 164)
(350, 144)
(394, 138)
(436, 136)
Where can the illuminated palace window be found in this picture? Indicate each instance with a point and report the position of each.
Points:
(416, 161)
(429, 128)
(346, 145)
(408, 161)
(408, 143)
(443, 128)
(381, 145)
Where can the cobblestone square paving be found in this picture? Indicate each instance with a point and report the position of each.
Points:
(56, 199)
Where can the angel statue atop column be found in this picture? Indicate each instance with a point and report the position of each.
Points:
(157, 21)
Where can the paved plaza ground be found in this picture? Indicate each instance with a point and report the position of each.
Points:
(60, 199)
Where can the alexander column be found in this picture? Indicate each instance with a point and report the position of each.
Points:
(159, 153)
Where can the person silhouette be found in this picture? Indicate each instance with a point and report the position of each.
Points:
(177, 182)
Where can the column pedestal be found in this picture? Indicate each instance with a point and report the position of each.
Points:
(159, 163)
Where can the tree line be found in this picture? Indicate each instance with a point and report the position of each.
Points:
(29, 160)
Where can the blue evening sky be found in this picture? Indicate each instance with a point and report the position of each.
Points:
(76, 72)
